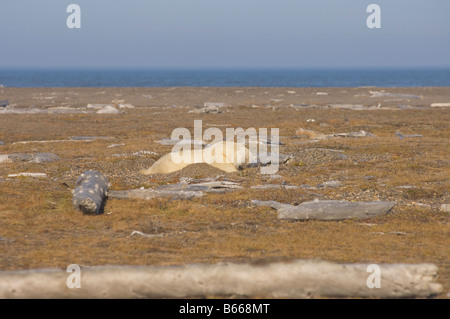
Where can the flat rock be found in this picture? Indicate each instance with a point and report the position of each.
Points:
(209, 109)
(347, 106)
(35, 175)
(126, 106)
(31, 158)
(353, 134)
(294, 279)
(445, 208)
(440, 105)
(332, 184)
(90, 193)
(375, 94)
(401, 136)
(98, 106)
(4, 103)
(209, 186)
(328, 209)
(108, 110)
(89, 138)
(214, 104)
(152, 193)
(168, 141)
(274, 186)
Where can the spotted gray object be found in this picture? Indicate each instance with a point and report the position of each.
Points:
(91, 192)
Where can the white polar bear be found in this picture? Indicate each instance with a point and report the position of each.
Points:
(226, 156)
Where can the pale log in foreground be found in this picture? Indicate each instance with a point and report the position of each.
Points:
(297, 279)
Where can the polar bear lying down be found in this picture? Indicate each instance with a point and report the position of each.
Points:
(226, 156)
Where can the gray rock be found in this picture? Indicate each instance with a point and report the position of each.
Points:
(90, 193)
(108, 110)
(445, 208)
(293, 279)
(4, 103)
(7, 240)
(152, 193)
(440, 105)
(31, 158)
(35, 175)
(45, 158)
(353, 134)
(214, 104)
(332, 184)
(209, 109)
(2, 143)
(89, 138)
(168, 141)
(375, 94)
(328, 209)
(208, 186)
(401, 136)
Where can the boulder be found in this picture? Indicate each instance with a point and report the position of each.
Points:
(328, 209)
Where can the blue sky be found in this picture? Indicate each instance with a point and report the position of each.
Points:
(224, 34)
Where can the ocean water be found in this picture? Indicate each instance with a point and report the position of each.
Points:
(224, 77)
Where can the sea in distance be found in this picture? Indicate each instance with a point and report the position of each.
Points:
(224, 77)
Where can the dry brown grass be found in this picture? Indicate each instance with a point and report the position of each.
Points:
(47, 232)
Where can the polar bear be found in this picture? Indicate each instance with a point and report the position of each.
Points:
(226, 156)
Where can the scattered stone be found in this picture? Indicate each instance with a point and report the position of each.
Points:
(108, 110)
(308, 134)
(116, 145)
(322, 93)
(375, 94)
(440, 105)
(291, 92)
(31, 158)
(214, 104)
(332, 184)
(209, 109)
(445, 208)
(310, 120)
(137, 232)
(406, 187)
(168, 141)
(90, 193)
(4, 103)
(89, 138)
(328, 209)
(353, 134)
(152, 193)
(401, 136)
(139, 153)
(275, 186)
(2, 143)
(293, 279)
(35, 175)
(7, 240)
(347, 106)
(276, 100)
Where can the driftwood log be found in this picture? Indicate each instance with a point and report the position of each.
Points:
(90, 193)
(328, 209)
(297, 279)
(153, 193)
